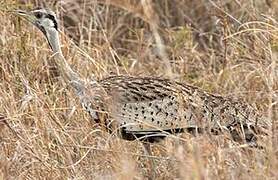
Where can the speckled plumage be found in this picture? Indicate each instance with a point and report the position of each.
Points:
(150, 108)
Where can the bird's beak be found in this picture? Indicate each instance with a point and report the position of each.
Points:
(26, 15)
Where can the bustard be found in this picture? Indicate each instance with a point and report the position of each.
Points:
(149, 108)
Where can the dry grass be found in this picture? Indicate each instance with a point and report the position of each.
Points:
(227, 47)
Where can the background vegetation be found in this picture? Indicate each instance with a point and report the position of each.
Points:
(227, 47)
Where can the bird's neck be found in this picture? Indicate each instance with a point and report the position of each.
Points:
(52, 36)
(68, 74)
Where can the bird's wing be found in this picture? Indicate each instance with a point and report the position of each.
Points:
(148, 105)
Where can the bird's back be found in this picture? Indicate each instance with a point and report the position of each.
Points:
(151, 107)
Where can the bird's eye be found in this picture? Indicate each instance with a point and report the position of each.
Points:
(38, 15)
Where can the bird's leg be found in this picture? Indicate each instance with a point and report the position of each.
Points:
(148, 153)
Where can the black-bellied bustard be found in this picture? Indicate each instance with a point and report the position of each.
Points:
(149, 108)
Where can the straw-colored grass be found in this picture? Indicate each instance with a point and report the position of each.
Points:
(225, 47)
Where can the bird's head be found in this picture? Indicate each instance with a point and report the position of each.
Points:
(46, 21)
(43, 19)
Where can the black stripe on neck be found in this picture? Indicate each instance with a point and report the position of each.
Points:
(45, 33)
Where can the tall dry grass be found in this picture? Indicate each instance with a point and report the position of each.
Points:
(226, 47)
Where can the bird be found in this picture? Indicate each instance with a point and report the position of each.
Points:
(149, 109)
